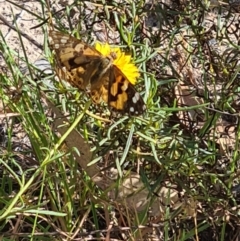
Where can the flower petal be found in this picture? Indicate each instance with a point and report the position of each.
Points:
(121, 61)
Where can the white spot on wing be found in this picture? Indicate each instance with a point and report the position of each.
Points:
(63, 40)
(131, 109)
(56, 46)
(50, 40)
(136, 98)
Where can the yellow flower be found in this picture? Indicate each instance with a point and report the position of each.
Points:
(120, 60)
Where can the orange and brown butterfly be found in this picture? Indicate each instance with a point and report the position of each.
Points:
(106, 73)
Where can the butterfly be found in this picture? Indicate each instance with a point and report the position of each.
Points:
(87, 69)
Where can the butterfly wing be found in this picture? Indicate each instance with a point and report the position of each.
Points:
(122, 96)
(79, 63)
